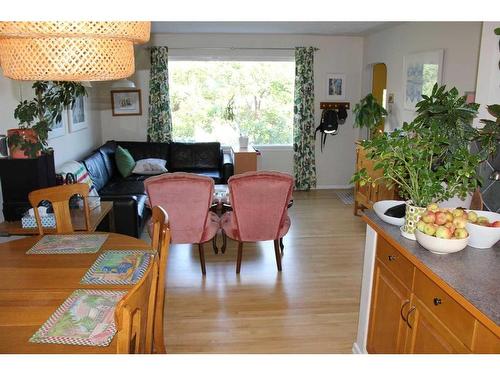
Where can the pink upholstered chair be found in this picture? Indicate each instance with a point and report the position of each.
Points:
(259, 201)
(187, 199)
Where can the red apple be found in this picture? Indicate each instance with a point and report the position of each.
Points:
(421, 226)
(457, 212)
(472, 216)
(428, 217)
(461, 233)
(443, 232)
(496, 224)
(459, 222)
(450, 226)
(429, 229)
(481, 220)
(440, 218)
(433, 207)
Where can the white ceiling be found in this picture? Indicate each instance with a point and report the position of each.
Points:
(311, 28)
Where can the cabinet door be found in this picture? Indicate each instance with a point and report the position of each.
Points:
(426, 334)
(387, 329)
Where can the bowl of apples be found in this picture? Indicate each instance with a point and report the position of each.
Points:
(484, 228)
(442, 230)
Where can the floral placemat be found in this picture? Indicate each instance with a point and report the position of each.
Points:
(85, 318)
(68, 244)
(118, 267)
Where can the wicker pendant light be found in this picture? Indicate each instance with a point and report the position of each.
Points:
(70, 51)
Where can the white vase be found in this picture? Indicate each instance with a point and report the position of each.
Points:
(243, 140)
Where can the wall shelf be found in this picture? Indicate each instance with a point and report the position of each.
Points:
(334, 105)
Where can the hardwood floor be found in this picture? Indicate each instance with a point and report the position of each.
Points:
(311, 307)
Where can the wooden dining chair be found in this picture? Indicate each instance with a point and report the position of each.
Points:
(59, 197)
(134, 314)
(160, 241)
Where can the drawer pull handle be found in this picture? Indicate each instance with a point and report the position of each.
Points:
(402, 307)
(412, 309)
(392, 258)
(437, 301)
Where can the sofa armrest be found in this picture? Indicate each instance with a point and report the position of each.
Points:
(227, 167)
(129, 213)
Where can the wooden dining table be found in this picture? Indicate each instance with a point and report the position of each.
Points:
(33, 286)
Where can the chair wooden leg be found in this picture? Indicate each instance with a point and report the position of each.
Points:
(282, 246)
(202, 258)
(224, 242)
(214, 244)
(240, 255)
(278, 255)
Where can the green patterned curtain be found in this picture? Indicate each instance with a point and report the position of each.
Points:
(160, 118)
(304, 167)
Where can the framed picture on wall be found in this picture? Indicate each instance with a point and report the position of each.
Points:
(78, 115)
(421, 72)
(59, 128)
(126, 102)
(335, 86)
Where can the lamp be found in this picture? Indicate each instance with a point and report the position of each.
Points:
(123, 84)
(70, 51)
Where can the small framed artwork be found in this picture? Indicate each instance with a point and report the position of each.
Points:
(126, 102)
(78, 115)
(421, 72)
(335, 86)
(58, 129)
(470, 97)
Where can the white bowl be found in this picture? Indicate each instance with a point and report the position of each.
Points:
(440, 245)
(483, 237)
(381, 206)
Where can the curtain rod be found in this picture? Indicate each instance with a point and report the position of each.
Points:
(235, 48)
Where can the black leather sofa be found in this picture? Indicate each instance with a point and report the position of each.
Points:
(128, 194)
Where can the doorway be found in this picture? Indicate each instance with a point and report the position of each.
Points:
(379, 82)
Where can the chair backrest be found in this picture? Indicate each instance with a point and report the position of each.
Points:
(160, 241)
(187, 198)
(259, 201)
(59, 197)
(134, 314)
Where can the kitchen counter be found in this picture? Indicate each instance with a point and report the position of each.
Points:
(472, 275)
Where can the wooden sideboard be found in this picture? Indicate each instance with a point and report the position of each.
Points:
(245, 159)
(365, 196)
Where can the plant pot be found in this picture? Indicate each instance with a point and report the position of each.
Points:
(243, 141)
(15, 150)
(412, 216)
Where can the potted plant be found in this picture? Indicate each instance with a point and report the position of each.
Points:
(230, 116)
(368, 113)
(430, 159)
(36, 116)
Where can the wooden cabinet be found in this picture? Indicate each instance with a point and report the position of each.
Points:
(426, 334)
(365, 196)
(410, 313)
(245, 159)
(387, 330)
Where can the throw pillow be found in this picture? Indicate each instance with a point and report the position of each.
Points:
(124, 161)
(150, 166)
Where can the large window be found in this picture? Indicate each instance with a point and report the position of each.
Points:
(218, 100)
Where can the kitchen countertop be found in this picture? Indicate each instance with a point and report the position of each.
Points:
(474, 273)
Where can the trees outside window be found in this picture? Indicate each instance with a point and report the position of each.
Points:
(219, 100)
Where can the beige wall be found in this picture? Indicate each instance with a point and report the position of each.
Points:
(336, 55)
(71, 146)
(460, 41)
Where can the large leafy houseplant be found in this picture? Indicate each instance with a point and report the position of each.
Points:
(40, 113)
(368, 113)
(430, 159)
